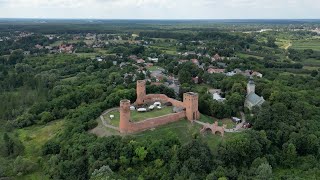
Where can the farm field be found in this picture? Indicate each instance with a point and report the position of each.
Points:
(311, 62)
(313, 44)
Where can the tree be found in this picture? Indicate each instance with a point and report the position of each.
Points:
(184, 77)
(141, 152)
(264, 172)
(13, 146)
(46, 117)
(23, 166)
(289, 155)
(16, 57)
(314, 73)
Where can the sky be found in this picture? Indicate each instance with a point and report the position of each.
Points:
(161, 9)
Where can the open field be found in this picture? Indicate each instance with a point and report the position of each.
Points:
(138, 116)
(153, 68)
(243, 55)
(167, 50)
(34, 137)
(311, 62)
(313, 44)
(283, 43)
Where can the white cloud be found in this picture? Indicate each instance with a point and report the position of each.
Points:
(165, 9)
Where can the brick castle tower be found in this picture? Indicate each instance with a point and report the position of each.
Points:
(141, 92)
(124, 116)
(190, 101)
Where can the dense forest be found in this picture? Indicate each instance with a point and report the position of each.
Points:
(43, 89)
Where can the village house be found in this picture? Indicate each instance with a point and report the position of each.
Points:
(155, 60)
(216, 57)
(182, 61)
(189, 53)
(38, 46)
(195, 61)
(140, 61)
(133, 57)
(216, 95)
(195, 80)
(66, 48)
(26, 53)
(148, 64)
(215, 70)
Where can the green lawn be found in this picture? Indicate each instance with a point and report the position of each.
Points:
(243, 55)
(307, 44)
(87, 55)
(34, 137)
(138, 116)
(153, 68)
(185, 131)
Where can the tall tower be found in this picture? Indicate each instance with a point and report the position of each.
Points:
(251, 87)
(124, 116)
(141, 92)
(190, 101)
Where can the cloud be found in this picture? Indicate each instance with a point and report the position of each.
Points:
(165, 9)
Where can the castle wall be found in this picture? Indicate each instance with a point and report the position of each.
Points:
(155, 122)
(124, 116)
(141, 92)
(162, 98)
(190, 103)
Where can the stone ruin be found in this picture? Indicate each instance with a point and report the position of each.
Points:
(214, 128)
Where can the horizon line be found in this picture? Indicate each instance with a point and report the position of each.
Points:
(30, 18)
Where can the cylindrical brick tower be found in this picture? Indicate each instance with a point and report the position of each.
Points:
(124, 125)
(190, 101)
(141, 92)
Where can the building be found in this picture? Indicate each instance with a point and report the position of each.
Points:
(216, 57)
(140, 61)
(214, 71)
(252, 99)
(155, 60)
(195, 61)
(216, 95)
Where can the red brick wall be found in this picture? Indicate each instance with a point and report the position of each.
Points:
(154, 122)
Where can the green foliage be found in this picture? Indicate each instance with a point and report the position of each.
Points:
(12, 146)
(23, 166)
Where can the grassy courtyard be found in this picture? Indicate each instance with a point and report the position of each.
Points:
(137, 116)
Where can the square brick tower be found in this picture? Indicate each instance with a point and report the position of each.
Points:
(141, 92)
(190, 101)
(124, 116)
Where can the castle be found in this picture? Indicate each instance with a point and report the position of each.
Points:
(189, 110)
